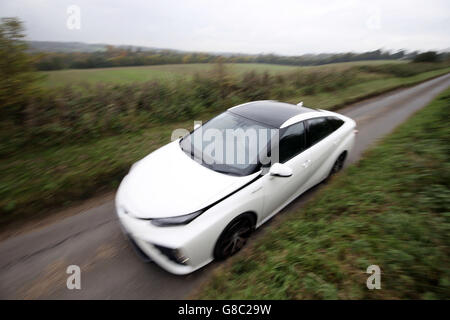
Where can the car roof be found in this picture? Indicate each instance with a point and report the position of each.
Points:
(271, 113)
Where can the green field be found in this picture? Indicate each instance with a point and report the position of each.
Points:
(172, 72)
(391, 210)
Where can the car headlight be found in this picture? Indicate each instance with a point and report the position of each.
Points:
(176, 221)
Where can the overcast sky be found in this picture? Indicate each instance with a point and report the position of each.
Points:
(288, 27)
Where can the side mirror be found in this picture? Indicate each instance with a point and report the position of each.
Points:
(197, 125)
(280, 170)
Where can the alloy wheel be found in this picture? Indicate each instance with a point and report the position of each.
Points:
(234, 238)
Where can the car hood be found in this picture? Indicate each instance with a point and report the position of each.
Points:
(169, 183)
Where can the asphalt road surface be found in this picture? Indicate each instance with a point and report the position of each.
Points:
(33, 264)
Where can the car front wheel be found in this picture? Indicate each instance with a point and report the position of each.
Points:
(234, 237)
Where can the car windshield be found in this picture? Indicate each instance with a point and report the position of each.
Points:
(229, 144)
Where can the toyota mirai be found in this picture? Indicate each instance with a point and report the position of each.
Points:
(200, 197)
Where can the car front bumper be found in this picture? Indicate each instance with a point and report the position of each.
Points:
(146, 239)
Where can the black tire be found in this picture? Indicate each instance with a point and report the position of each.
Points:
(338, 164)
(234, 236)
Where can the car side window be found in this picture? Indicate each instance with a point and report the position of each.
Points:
(292, 141)
(335, 123)
(319, 128)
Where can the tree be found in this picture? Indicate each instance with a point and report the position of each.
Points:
(429, 56)
(16, 69)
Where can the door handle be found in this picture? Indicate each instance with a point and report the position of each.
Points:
(306, 163)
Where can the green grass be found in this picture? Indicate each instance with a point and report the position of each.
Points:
(171, 72)
(35, 180)
(147, 73)
(391, 210)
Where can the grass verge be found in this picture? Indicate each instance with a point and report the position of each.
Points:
(35, 181)
(391, 210)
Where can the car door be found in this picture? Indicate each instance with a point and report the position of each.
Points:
(321, 142)
(292, 152)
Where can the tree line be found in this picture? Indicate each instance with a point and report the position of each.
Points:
(125, 57)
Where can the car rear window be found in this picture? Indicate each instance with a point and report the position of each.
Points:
(319, 128)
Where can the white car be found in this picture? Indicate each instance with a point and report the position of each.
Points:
(182, 211)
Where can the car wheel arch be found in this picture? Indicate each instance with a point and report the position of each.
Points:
(344, 154)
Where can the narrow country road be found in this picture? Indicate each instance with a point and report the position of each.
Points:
(33, 265)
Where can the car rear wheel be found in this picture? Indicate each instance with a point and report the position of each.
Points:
(234, 237)
(339, 164)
